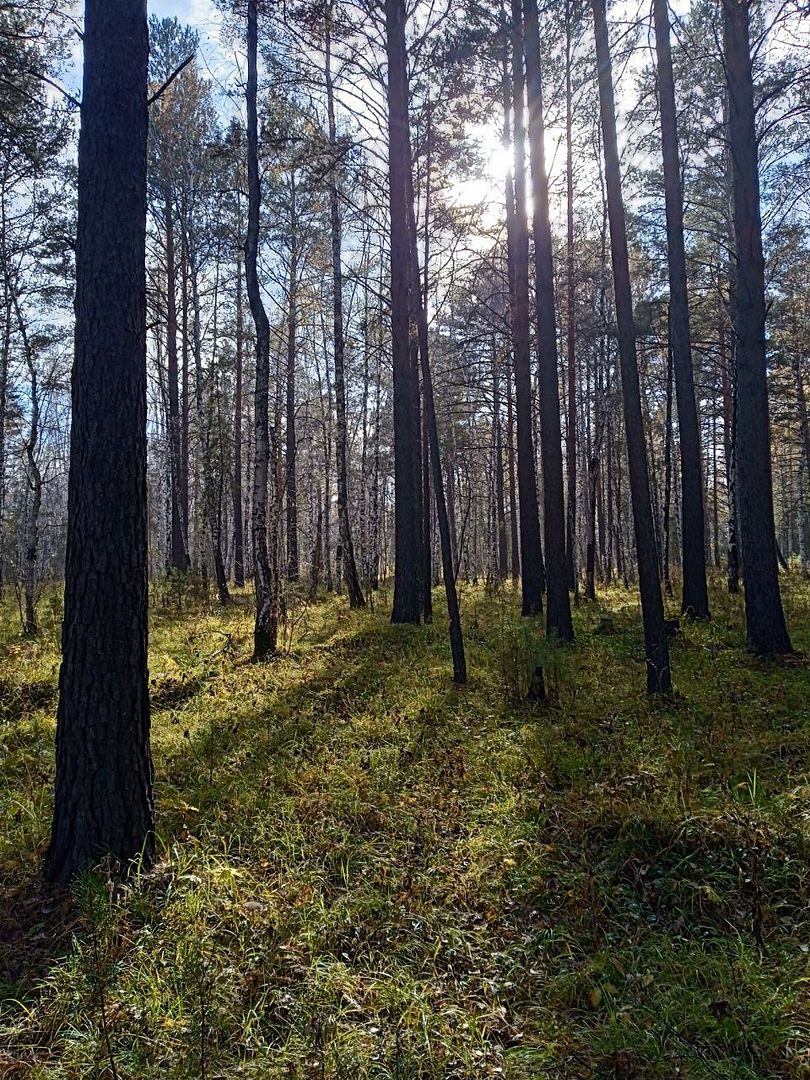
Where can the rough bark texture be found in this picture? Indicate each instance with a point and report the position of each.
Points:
(531, 556)
(103, 799)
(265, 629)
(407, 456)
(558, 603)
(652, 607)
(293, 561)
(695, 598)
(764, 618)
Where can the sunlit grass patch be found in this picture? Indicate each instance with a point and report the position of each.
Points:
(365, 871)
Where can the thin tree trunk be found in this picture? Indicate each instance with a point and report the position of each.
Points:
(531, 556)
(293, 561)
(695, 599)
(570, 336)
(353, 586)
(238, 530)
(655, 641)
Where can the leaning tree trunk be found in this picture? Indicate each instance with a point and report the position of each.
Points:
(407, 456)
(353, 587)
(531, 556)
(558, 603)
(764, 618)
(695, 599)
(652, 607)
(103, 800)
(265, 629)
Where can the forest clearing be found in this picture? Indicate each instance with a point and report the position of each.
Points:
(364, 870)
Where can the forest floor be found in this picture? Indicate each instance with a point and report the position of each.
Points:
(366, 872)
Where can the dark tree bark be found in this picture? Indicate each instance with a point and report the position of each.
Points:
(103, 800)
(407, 440)
(652, 607)
(695, 599)
(353, 586)
(265, 629)
(558, 603)
(764, 618)
(531, 555)
(238, 529)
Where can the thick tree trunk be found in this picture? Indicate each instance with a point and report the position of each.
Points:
(765, 621)
(531, 555)
(103, 799)
(407, 456)
(695, 599)
(655, 640)
(558, 603)
(265, 629)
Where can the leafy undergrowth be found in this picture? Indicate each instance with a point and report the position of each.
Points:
(367, 872)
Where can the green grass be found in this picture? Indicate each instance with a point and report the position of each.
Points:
(365, 871)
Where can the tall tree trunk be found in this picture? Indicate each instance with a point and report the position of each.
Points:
(238, 529)
(726, 380)
(531, 556)
(407, 457)
(178, 552)
(103, 798)
(34, 478)
(5, 352)
(764, 618)
(353, 586)
(558, 603)
(500, 507)
(667, 476)
(695, 599)
(291, 485)
(570, 330)
(265, 629)
(655, 640)
(204, 424)
(185, 394)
